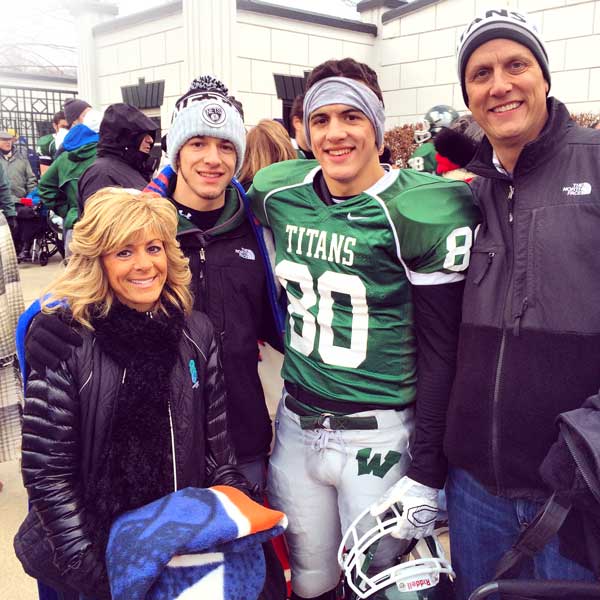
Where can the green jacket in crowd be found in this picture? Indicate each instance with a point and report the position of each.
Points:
(7, 206)
(58, 185)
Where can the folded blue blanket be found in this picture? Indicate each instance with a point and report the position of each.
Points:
(193, 543)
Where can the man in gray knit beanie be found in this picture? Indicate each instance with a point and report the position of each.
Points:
(529, 300)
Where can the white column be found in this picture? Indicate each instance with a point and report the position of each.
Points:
(87, 15)
(210, 39)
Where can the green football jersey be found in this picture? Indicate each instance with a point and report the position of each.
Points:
(348, 271)
(423, 158)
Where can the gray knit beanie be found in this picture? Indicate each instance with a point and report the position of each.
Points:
(72, 108)
(206, 109)
(502, 23)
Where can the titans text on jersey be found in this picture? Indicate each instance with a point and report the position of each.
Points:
(323, 245)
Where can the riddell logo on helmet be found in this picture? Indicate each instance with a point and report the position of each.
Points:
(419, 584)
(422, 583)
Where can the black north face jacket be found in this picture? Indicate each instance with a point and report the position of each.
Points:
(529, 344)
(233, 283)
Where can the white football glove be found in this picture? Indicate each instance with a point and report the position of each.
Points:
(419, 508)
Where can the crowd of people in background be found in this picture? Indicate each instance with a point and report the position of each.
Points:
(435, 322)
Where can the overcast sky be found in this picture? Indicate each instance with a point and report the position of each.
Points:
(42, 32)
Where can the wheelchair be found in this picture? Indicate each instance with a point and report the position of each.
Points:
(49, 240)
(40, 231)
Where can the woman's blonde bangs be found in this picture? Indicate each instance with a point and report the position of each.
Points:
(114, 218)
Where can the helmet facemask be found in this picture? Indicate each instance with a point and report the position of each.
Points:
(420, 566)
(422, 132)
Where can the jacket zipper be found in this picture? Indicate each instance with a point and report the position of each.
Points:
(480, 277)
(117, 394)
(511, 193)
(498, 377)
(519, 316)
(524, 302)
(495, 402)
(201, 277)
(173, 447)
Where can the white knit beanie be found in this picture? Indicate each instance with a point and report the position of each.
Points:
(206, 109)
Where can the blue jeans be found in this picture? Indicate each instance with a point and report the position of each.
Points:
(483, 527)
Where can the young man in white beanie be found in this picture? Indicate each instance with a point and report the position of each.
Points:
(232, 280)
(529, 346)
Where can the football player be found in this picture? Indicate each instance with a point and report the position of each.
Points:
(435, 119)
(372, 260)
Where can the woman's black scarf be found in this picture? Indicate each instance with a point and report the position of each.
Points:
(137, 466)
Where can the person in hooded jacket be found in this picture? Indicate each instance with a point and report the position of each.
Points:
(58, 185)
(123, 159)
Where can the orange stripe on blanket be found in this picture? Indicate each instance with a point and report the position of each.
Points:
(259, 517)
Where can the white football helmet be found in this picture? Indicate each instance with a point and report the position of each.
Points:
(422, 571)
(422, 131)
(435, 119)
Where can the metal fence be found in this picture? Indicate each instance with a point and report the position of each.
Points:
(29, 111)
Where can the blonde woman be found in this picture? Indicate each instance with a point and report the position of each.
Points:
(267, 143)
(137, 411)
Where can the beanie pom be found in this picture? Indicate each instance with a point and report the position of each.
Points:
(207, 83)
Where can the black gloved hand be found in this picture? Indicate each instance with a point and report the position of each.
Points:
(49, 341)
(230, 475)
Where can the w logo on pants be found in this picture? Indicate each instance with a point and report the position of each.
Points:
(368, 465)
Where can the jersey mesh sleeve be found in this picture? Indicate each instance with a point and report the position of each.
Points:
(435, 224)
(423, 159)
(275, 177)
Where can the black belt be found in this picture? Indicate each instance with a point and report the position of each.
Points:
(334, 406)
(309, 420)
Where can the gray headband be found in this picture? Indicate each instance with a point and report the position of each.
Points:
(342, 90)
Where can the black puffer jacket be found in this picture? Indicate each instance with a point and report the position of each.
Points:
(119, 162)
(66, 428)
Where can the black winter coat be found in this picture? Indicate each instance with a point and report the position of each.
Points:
(119, 162)
(67, 420)
(229, 284)
(529, 344)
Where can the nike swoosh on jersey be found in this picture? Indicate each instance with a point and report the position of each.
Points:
(351, 218)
